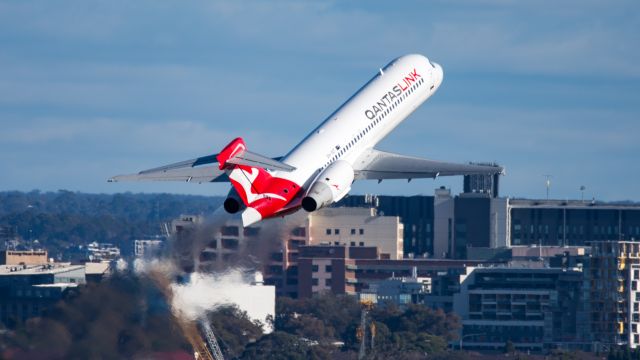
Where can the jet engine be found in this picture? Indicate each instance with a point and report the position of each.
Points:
(330, 186)
(233, 203)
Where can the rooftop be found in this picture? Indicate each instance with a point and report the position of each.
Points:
(52, 268)
(573, 204)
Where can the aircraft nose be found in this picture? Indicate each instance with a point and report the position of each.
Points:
(438, 74)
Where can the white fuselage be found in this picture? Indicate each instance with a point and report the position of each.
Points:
(366, 118)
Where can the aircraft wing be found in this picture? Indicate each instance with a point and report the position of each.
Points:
(380, 165)
(202, 169)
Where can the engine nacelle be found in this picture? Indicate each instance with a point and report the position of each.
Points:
(331, 186)
(233, 203)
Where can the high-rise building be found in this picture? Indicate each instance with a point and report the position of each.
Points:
(481, 183)
(532, 306)
(357, 227)
(416, 214)
(614, 275)
(570, 223)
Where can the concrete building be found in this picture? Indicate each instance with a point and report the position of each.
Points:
(416, 214)
(28, 290)
(357, 227)
(614, 275)
(272, 244)
(570, 223)
(482, 184)
(357, 270)
(398, 290)
(330, 268)
(448, 226)
(469, 220)
(535, 308)
(23, 257)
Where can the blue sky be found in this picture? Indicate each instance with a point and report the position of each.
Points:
(90, 89)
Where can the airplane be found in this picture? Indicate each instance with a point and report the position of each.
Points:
(320, 170)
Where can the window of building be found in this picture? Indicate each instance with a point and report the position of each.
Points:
(328, 231)
(336, 243)
(299, 231)
(636, 338)
(314, 268)
(314, 282)
(328, 269)
(636, 274)
(231, 244)
(251, 231)
(636, 308)
(634, 285)
(361, 243)
(336, 231)
(361, 231)
(327, 282)
(230, 230)
(353, 243)
(353, 231)
(634, 327)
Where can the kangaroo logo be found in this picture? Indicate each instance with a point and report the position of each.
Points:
(245, 179)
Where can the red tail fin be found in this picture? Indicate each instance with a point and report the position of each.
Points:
(251, 183)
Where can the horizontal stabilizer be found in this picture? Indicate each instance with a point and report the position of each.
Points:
(252, 159)
(203, 169)
(189, 174)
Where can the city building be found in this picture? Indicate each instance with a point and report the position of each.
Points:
(272, 245)
(28, 290)
(531, 306)
(570, 223)
(357, 270)
(448, 226)
(357, 227)
(482, 184)
(416, 214)
(329, 268)
(23, 257)
(614, 274)
(469, 220)
(398, 290)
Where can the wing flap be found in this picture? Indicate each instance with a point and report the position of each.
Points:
(380, 165)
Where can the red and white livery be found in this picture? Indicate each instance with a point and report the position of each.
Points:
(320, 169)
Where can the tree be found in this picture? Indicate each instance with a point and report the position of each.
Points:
(280, 345)
(117, 318)
(234, 329)
(509, 348)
